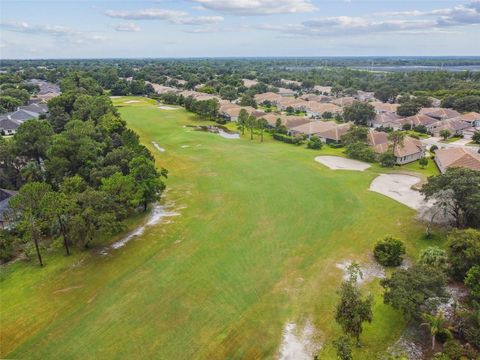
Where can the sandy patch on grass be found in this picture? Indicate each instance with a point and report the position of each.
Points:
(158, 147)
(158, 213)
(132, 101)
(340, 163)
(185, 146)
(68, 289)
(371, 270)
(399, 187)
(299, 344)
(164, 107)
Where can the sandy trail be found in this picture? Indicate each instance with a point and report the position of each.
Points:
(164, 107)
(340, 163)
(132, 101)
(399, 188)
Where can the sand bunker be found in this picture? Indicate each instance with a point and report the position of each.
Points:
(340, 163)
(132, 101)
(158, 213)
(399, 187)
(163, 107)
(228, 135)
(158, 146)
(299, 344)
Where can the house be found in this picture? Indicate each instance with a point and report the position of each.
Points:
(291, 82)
(454, 125)
(232, 111)
(296, 104)
(411, 149)
(472, 118)
(312, 128)
(365, 95)
(381, 108)
(439, 113)
(5, 196)
(344, 101)
(377, 140)
(325, 90)
(161, 89)
(386, 120)
(315, 109)
(249, 83)
(469, 132)
(8, 126)
(457, 157)
(268, 96)
(317, 98)
(418, 120)
(334, 134)
(288, 121)
(286, 92)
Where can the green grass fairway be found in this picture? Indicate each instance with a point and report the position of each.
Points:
(255, 247)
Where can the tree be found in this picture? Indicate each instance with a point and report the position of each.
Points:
(33, 138)
(242, 120)
(261, 125)
(386, 93)
(415, 290)
(476, 137)
(389, 251)
(251, 124)
(59, 209)
(435, 324)
(397, 139)
(355, 134)
(359, 112)
(463, 251)
(472, 280)
(314, 143)
(344, 348)
(462, 183)
(147, 180)
(360, 151)
(445, 134)
(434, 257)
(409, 108)
(28, 212)
(121, 194)
(387, 159)
(8, 103)
(248, 100)
(352, 310)
(423, 161)
(228, 92)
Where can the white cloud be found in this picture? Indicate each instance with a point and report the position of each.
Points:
(405, 22)
(172, 16)
(59, 32)
(258, 7)
(126, 27)
(146, 14)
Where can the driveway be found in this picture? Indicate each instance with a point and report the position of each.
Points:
(436, 141)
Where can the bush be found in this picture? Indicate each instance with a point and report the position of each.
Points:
(360, 151)
(387, 159)
(433, 148)
(472, 280)
(389, 251)
(7, 246)
(443, 335)
(288, 139)
(314, 143)
(453, 349)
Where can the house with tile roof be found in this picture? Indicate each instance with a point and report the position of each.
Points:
(411, 150)
(457, 157)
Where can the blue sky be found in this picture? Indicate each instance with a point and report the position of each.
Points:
(211, 28)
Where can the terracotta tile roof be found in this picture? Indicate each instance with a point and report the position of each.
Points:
(416, 120)
(410, 146)
(287, 121)
(458, 157)
(270, 96)
(249, 83)
(314, 127)
(344, 101)
(323, 107)
(336, 132)
(384, 107)
(470, 117)
(386, 118)
(377, 137)
(439, 113)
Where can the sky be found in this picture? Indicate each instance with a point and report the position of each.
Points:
(233, 28)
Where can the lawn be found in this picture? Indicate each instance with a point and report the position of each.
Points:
(261, 229)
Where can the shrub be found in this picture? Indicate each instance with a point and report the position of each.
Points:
(7, 246)
(387, 159)
(288, 139)
(423, 161)
(360, 151)
(434, 257)
(443, 335)
(314, 143)
(453, 349)
(472, 280)
(389, 251)
(433, 148)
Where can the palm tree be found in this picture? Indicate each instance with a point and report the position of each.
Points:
(435, 323)
(397, 138)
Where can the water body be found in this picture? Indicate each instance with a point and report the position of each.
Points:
(403, 68)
